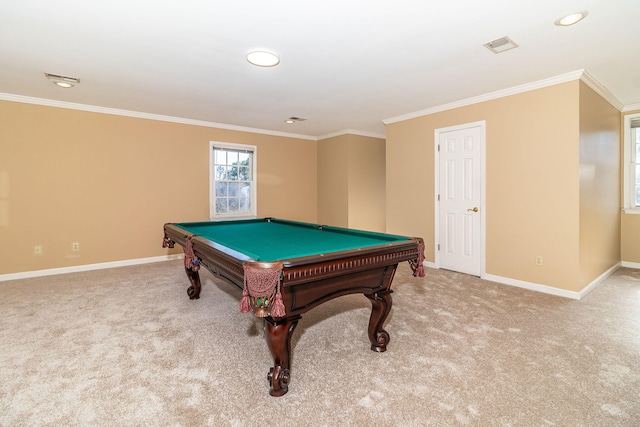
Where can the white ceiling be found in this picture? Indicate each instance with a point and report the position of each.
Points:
(347, 65)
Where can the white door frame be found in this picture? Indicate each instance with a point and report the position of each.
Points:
(483, 208)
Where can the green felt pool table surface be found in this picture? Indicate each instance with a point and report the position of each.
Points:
(275, 240)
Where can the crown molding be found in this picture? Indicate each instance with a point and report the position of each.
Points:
(583, 75)
(141, 115)
(631, 107)
(351, 132)
(590, 81)
(563, 78)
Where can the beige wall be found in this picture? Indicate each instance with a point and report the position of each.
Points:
(533, 182)
(630, 247)
(333, 177)
(351, 182)
(110, 183)
(367, 183)
(630, 233)
(600, 195)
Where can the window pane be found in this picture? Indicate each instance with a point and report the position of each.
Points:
(637, 196)
(637, 174)
(245, 204)
(232, 157)
(233, 172)
(233, 204)
(245, 198)
(637, 153)
(221, 172)
(221, 189)
(221, 205)
(221, 157)
(243, 173)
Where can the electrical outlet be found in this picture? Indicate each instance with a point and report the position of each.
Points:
(538, 260)
(75, 246)
(37, 250)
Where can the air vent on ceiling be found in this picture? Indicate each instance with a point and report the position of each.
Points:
(500, 45)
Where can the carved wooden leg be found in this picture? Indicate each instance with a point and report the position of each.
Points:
(279, 341)
(380, 308)
(194, 277)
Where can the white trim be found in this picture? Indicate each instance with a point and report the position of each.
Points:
(631, 107)
(141, 115)
(483, 188)
(351, 132)
(489, 96)
(563, 78)
(430, 264)
(87, 267)
(628, 181)
(601, 90)
(550, 289)
(629, 264)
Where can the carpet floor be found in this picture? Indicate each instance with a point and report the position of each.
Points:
(125, 347)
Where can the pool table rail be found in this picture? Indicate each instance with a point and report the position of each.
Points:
(341, 273)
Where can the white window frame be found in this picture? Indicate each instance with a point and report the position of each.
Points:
(629, 168)
(212, 179)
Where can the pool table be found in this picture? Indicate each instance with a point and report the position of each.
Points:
(286, 268)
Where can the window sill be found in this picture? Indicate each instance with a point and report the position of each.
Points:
(233, 217)
(631, 211)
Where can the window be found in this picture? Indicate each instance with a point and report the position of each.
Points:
(233, 187)
(632, 163)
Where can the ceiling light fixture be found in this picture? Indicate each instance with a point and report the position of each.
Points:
(292, 120)
(263, 58)
(62, 81)
(571, 19)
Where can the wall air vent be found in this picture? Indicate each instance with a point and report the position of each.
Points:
(500, 45)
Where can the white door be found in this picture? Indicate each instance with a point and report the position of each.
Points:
(460, 193)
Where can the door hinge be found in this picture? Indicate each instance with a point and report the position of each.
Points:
(438, 246)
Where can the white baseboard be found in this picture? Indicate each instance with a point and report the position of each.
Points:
(86, 267)
(631, 264)
(429, 264)
(545, 289)
(550, 289)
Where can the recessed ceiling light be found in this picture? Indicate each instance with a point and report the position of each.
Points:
(571, 19)
(263, 58)
(292, 120)
(62, 81)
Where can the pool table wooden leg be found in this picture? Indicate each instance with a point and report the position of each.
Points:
(279, 341)
(380, 308)
(194, 277)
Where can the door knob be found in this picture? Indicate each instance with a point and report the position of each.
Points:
(473, 210)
